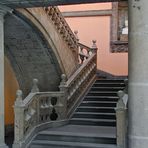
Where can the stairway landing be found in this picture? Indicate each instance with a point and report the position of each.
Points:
(73, 136)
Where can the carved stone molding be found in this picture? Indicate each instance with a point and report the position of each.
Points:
(119, 41)
(119, 46)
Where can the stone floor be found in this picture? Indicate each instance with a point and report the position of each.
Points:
(91, 130)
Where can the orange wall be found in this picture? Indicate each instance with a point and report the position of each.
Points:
(98, 28)
(11, 86)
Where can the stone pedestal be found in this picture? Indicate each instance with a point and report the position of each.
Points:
(3, 11)
(138, 74)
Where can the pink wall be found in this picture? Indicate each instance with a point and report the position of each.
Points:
(83, 7)
(98, 28)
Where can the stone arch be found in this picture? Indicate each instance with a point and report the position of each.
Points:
(65, 56)
(30, 55)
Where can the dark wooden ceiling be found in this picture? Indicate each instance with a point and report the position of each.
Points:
(42, 3)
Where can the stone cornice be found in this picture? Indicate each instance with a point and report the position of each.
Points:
(119, 46)
(87, 13)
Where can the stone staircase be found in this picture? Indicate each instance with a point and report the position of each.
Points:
(93, 125)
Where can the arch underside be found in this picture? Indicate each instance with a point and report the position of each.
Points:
(30, 55)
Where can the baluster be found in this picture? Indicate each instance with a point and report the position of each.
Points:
(88, 53)
(35, 86)
(82, 57)
(62, 107)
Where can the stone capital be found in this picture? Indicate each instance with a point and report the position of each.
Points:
(4, 10)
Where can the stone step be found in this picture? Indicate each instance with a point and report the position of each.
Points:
(63, 144)
(101, 98)
(75, 137)
(98, 103)
(94, 122)
(95, 109)
(109, 81)
(102, 93)
(100, 88)
(94, 115)
(100, 84)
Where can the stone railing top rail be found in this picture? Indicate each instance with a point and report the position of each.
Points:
(80, 69)
(31, 96)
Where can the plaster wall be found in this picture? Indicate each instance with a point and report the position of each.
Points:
(83, 7)
(11, 86)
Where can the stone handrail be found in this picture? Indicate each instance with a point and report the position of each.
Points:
(63, 28)
(121, 117)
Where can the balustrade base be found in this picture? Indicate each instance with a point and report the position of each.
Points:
(3, 145)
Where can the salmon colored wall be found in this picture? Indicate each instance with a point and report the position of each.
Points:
(11, 86)
(98, 28)
(83, 7)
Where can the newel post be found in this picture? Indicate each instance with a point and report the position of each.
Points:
(64, 89)
(35, 86)
(19, 120)
(121, 121)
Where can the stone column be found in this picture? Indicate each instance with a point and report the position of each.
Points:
(3, 11)
(138, 74)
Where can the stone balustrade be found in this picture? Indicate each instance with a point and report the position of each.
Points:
(75, 86)
(37, 108)
(62, 26)
(44, 107)
(121, 117)
(85, 51)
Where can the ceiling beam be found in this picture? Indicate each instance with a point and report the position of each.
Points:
(43, 3)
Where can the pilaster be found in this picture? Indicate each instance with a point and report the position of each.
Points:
(138, 74)
(3, 11)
